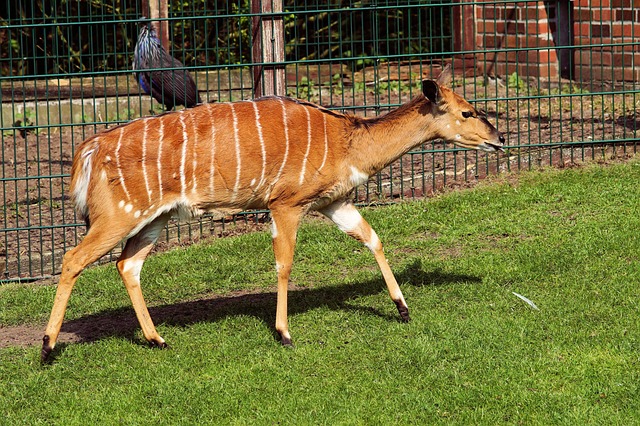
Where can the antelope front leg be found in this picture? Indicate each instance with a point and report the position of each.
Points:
(284, 227)
(346, 216)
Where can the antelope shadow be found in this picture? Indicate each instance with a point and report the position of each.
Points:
(122, 322)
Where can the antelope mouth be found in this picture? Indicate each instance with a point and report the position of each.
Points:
(490, 147)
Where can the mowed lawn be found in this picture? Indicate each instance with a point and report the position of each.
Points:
(474, 353)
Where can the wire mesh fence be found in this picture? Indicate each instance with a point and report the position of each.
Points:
(558, 78)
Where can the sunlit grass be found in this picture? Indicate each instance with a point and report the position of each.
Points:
(473, 354)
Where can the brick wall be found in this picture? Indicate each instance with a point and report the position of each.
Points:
(558, 39)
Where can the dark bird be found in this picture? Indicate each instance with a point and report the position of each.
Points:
(166, 79)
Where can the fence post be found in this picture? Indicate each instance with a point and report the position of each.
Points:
(268, 46)
(158, 9)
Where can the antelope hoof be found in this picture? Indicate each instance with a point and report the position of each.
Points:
(46, 349)
(160, 344)
(286, 342)
(404, 312)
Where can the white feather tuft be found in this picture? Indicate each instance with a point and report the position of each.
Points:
(533, 305)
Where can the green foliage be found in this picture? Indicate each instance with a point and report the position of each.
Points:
(516, 82)
(473, 354)
(51, 38)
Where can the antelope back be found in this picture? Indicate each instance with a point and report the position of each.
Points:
(227, 156)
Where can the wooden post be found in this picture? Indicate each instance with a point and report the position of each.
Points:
(154, 10)
(268, 46)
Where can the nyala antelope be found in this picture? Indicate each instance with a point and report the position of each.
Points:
(286, 155)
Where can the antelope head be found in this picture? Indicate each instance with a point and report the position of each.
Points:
(458, 121)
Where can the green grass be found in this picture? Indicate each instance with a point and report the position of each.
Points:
(473, 354)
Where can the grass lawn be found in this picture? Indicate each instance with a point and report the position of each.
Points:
(474, 353)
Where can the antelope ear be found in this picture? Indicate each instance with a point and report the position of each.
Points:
(444, 79)
(431, 91)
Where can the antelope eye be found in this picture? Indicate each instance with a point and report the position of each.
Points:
(467, 114)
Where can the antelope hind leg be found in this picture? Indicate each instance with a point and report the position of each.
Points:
(345, 215)
(129, 266)
(94, 245)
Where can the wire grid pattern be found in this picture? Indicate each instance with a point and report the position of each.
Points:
(67, 73)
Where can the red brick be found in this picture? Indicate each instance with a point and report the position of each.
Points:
(593, 3)
(513, 27)
(594, 58)
(624, 15)
(581, 30)
(621, 3)
(538, 28)
(626, 59)
(532, 13)
(601, 14)
(582, 14)
(489, 12)
(490, 27)
(627, 30)
(603, 30)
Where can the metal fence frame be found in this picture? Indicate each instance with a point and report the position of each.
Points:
(557, 77)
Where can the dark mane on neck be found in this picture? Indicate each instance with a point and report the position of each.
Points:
(366, 122)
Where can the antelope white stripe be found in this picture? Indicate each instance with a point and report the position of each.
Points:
(144, 159)
(286, 139)
(326, 141)
(183, 159)
(159, 164)
(236, 137)
(213, 150)
(306, 154)
(262, 147)
(124, 186)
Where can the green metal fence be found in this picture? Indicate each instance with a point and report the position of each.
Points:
(557, 77)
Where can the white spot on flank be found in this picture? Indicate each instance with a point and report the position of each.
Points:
(137, 214)
(236, 138)
(262, 147)
(107, 158)
(128, 208)
(121, 204)
(458, 122)
(253, 182)
(306, 154)
(120, 173)
(357, 177)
